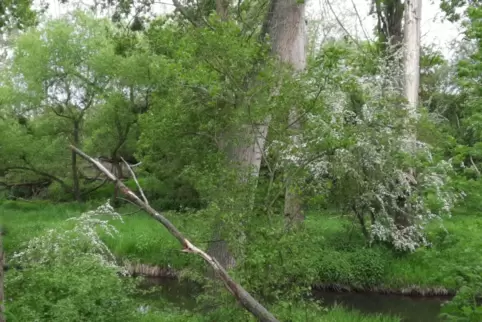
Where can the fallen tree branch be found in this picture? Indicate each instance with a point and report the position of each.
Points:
(243, 297)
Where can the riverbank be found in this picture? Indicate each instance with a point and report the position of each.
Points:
(335, 249)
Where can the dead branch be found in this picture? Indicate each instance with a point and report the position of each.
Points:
(135, 179)
(242, 296)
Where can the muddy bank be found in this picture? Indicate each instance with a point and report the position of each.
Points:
(152, 271)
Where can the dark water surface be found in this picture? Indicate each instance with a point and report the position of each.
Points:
(180, 293)
(409, 309)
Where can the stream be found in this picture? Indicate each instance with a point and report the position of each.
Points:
(408, 308)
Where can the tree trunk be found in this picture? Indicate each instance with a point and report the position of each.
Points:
(412, 35)
(244, 147)
(389, 23)
(75, 171)
(245, 151)
(413, 14)
(287, 29)
(118, 173)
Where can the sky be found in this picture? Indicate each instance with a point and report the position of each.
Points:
(352, 14)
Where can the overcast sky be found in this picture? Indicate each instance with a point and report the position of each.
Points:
(352, 14)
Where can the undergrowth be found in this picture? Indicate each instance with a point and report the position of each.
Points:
(327, 251)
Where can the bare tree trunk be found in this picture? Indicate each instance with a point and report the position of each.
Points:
(2, 294)
(413, 15)
(287, 29)
(412, 35)
(75, 170)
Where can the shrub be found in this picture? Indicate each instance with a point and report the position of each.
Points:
(465, 306)
(368, 267)
(84, 290)
(69, 275)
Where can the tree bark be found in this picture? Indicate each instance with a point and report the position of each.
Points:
(412, 35)
(241, 295)
(287, 29)
(245, 152)
(244, 147)
(413, 15)
(75, 170)
(390, 15)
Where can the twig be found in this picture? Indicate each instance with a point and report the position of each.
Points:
(135, 179)
(475, 167)
(241, 295)
(342, 26)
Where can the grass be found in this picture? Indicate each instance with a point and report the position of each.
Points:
(340, 314)
(143, 240)
(335, 243)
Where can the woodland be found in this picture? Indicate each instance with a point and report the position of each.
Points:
(248, 167)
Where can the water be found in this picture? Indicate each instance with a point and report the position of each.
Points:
(179, 293)
(408, 308)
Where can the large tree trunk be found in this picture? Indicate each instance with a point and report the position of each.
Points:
(287, 29)
(413, 14)
(245, 151)
(244, 147)
(412, 35)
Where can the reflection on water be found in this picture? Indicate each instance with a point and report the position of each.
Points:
(409, 309)
(180, 293)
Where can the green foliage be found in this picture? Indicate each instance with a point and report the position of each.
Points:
(179, 99)
(17, 14)
(69, 273)
(81, 291)
(465, 306)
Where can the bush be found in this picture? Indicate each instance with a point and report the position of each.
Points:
(85, 290)
(69, 275)
(465, 306)
(56, 193)
(335, 267)
(368, 267)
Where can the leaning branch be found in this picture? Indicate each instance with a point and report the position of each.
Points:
(243, 297)
(42, 173)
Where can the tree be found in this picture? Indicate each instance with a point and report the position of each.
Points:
(389, 29)
(61, 72)
(287, 30)
(17, 14)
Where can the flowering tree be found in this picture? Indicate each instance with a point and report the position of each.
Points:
(355, 150)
